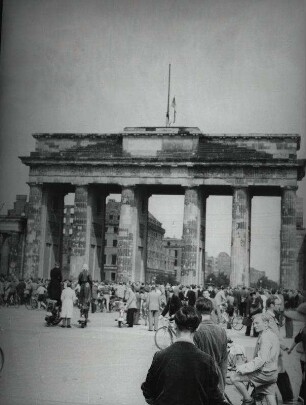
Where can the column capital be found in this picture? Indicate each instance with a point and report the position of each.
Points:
(34, 183)
(81, 185)
(241, 187)
(289, 188)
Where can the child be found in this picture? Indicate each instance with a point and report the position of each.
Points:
(121, 310)
(68, 297)
(41, 294)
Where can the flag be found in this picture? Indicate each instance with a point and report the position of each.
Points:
(173, 105)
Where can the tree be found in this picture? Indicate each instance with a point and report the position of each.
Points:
(220, 280)
(265, 282)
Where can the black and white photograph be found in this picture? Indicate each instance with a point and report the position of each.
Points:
(152, 202)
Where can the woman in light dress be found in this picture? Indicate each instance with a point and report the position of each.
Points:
(68, 297)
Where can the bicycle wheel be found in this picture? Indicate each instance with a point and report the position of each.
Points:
(237, 322)
(163, 337)
(223, 320)
(1, 359)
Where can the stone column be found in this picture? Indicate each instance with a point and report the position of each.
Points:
(288, 253)
(98, 232)
(81, 231)
(4, 254)
(240, 244)
(131, 258)
(52, 229)
(34, 231)
(13, 255)
(193, 237)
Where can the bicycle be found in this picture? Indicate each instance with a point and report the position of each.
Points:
(234, 321)
(165, 335)
(13, 300)
(258, 394)
(31, 302)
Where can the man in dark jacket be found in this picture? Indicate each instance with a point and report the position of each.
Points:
(183, 374)
(173, 304)
(211, 339)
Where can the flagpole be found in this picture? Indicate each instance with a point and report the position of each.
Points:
(168, 102)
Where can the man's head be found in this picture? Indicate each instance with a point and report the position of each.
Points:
(206, 294)
(204, 306)
(187, 319)
(261, 322)
(273, 303)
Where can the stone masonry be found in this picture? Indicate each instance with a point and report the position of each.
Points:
(138, 162)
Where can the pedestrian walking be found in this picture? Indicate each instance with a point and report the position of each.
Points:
(153, 304)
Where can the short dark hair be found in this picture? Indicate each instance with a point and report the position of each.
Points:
(270, 301)
(204, 305)
(187, 318)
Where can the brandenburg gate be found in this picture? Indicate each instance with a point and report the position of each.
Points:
(139, 162)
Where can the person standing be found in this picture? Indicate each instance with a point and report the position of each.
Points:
(220, 298)
(173, 303)
(211, 339)
(215, 314)
(253, 307)
(68, 297)
(191, 296)
(153, 304)
(131, 306)
(55, 284)
(283, 380)
(85, 283)
(300, 339)
(182, 374)
(243, 301)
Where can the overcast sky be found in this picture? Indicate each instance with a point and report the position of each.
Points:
(238, 66)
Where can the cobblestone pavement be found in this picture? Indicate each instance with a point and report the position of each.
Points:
(101, 364)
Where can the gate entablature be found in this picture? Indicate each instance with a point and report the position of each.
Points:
(166, 156)
(178, 158)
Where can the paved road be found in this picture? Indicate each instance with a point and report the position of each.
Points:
(100, 364)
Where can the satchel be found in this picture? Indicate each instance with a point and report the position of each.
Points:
(246, 321)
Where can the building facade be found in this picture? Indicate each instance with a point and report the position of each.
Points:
(173, 248)
(139, 162)
(13, 237)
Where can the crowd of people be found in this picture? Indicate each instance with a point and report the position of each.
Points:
(197, 312)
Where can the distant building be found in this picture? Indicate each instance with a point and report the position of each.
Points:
(301, 244)
(112, 218)
(173, 248)
(67, 232)
(155, 255)
(12, 238)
